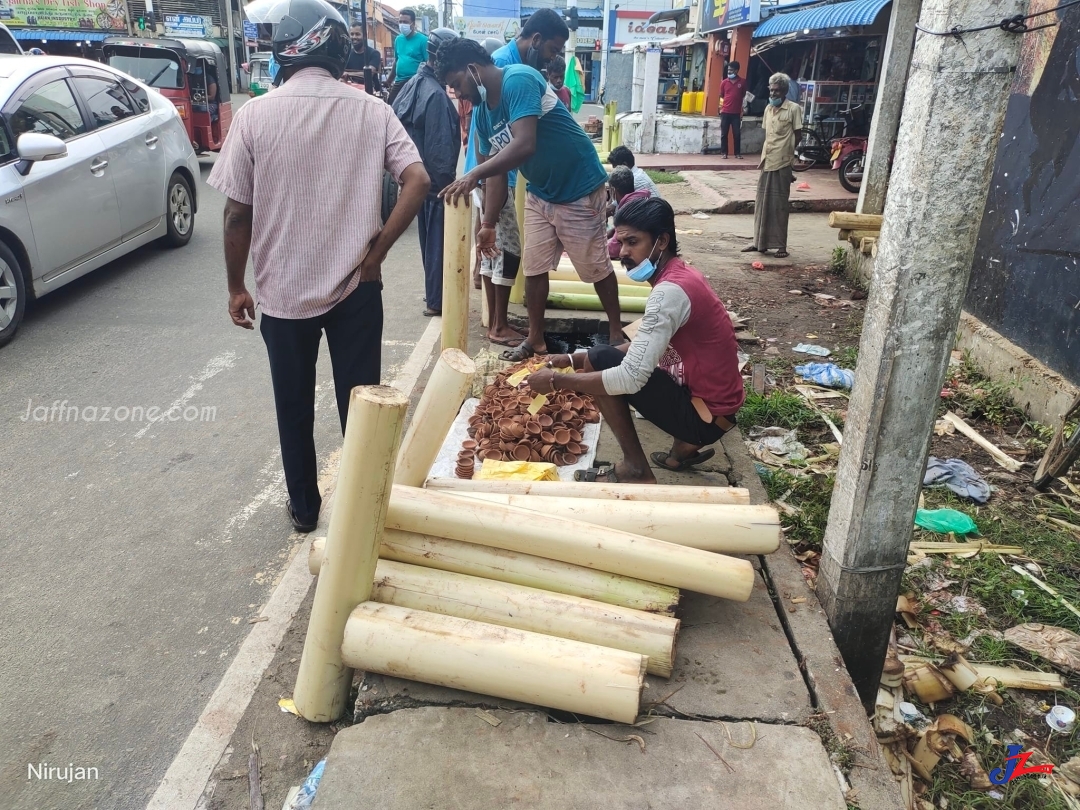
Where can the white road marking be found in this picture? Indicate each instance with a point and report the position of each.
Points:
(223, 361)
(186, 779)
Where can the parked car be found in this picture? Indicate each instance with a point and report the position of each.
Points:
(93, 164)
(8, 43)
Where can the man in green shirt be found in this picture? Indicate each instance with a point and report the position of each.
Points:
(410, 51)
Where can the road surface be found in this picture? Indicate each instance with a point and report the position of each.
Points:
(134, 553)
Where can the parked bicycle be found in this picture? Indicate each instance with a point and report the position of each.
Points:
(814, 146)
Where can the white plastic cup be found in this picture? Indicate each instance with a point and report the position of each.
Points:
(1061, 718)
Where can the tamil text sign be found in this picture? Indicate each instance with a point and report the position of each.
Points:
(187, 25)
(634, 26)
(85, 14)
(720, 14)
(481, 28)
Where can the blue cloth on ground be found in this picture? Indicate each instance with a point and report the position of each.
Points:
(829, 375)
(958, 476)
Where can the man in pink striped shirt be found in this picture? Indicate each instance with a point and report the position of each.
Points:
(308, 211)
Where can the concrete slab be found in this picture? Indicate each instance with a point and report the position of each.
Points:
(733, 192)
(451, 758)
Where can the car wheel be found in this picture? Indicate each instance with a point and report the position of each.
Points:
(179, 211)
(12, 294)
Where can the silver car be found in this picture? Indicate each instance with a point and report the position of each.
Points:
(94, 165)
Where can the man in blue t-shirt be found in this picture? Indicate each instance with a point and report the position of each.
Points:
(521, 124)
(542, 38)
(410, 51)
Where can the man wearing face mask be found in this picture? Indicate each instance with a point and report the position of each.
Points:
(732, 91)
(681, 371)
(410, 51)
(782, 123)
(520, 123)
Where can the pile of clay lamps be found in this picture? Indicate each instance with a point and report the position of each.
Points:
(549, 593)
(503, 429)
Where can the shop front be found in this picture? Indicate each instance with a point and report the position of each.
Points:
(71, 28)
(833, 52)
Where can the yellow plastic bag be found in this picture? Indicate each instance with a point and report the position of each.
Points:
(517, 471)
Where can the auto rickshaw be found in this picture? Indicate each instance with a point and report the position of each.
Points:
(191, 73)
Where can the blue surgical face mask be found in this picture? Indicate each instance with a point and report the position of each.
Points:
(405, 29)
(272, 68)
(479, 86)
(731, 75)
(645, 270)
(776, 102)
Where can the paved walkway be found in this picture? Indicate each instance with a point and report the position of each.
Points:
(738, 680)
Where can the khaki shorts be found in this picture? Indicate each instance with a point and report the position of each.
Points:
(578, 227)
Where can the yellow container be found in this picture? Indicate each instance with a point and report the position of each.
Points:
(686, 103)
(699, 101)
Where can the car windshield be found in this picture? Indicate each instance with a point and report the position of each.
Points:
(151, 66)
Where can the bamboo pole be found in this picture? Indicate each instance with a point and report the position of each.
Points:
(430, 512)
(856, 222)
(446, 389)
(457, 275)
(581, 288)
(492, 660)
(657, 493)
(376, 414)
(553, 614)
(519, 569)
(566, 272)
(728, 529)
(517, 292)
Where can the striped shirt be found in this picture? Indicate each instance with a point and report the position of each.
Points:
(309, 158)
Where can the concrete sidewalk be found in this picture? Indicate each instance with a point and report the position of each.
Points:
(757, 703)
(733, 192)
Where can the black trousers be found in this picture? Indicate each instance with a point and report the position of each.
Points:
(429, 223)
(732, 122)
(662, 401)
(354, 336)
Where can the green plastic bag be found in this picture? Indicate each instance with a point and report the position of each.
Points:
(945, 521)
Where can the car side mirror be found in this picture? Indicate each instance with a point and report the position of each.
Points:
(35, 146)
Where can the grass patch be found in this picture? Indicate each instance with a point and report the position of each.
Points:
(811, 496)
(983, 398)
(838, 262)
(659, 176)
(845, 356)
(777, 409)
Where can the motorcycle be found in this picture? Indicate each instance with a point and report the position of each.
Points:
(848, 156)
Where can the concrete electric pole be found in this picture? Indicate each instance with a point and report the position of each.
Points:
(954, 107)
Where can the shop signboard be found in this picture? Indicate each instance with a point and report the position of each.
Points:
(85, 14)
(633, 26)
(481, 28)
(187, 25)
(718, 15)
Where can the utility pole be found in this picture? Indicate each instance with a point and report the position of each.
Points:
(885, 124)
(609, 35)
(954, 107)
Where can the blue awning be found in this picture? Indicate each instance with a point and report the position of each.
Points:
(833, 15)
(58, 36)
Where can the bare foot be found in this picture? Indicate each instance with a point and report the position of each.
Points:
(504, 334)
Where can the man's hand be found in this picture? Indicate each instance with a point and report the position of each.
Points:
(371, 266)
(541, 381)
(242, 309)
(561, 361)
(459, 188)
(485, 242)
